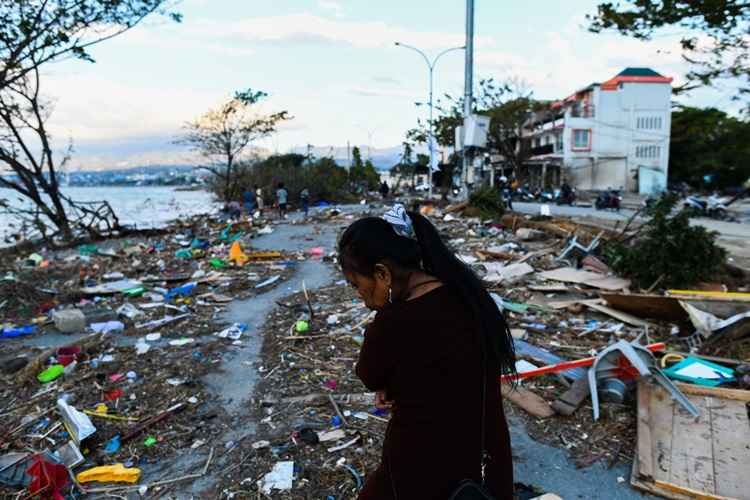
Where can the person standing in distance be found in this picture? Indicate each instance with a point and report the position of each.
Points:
(259, 198)
(305, 198)
(282, 196)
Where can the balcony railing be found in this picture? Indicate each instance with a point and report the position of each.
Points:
(542, 150)
(582, 110)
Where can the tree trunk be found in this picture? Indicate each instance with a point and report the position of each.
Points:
(60, 219)
(228, 184)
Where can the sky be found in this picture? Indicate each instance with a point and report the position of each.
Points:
(332, 64)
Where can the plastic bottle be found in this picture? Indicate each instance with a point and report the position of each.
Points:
(8, 333)
(50, 374)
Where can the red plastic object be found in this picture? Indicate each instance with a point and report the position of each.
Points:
(567, 365)
(115, 394)
(66, 355)
(49, 478)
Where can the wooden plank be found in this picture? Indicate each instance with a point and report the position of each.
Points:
(650, 487)
(661, 416)
(705, 458)
(689, 492)
(571, 399)
(619, 315)
(731, 445)
(646, 306)
(529, 401)
(716, 392)
(645, 457)
(694, 437)
(548, 288)
(704, 294)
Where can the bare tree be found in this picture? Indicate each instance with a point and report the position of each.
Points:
(32, 33)
(223, 134)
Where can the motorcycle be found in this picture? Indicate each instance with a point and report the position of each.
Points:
(566, 197)
(544, 196)
(608, 200)
(713, 207)
(523, 194)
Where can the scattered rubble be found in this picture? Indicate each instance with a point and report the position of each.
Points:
(318, 433)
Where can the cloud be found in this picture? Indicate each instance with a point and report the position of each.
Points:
(370, 91)
(97, 108)
(299, 29)
(332, 6)
(572, 58)
(386, 80)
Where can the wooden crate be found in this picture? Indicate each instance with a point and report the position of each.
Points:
(682, 457)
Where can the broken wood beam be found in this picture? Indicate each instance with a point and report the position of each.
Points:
(573, 398)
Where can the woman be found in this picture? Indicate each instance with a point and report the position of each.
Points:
(435, 329)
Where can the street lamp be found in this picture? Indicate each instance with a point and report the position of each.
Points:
(431, 67)
(370, 132)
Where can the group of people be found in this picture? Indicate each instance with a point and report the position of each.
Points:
(252, 200)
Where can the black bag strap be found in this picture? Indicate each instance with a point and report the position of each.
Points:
(484, 455)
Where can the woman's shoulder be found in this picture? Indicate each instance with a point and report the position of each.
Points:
(431, 303)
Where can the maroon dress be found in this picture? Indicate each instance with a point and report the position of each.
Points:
(425, 354)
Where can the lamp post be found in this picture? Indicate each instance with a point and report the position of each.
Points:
(370, 133)
(431, 67)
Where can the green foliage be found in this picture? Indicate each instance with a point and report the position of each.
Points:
(667, 248)
(322, 177)
(706, 141)
(508, 105)
(363, 176)
(715, 40)
(356, 158)
(406, 168)
(487, 203)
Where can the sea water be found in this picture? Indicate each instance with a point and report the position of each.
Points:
(142, 207)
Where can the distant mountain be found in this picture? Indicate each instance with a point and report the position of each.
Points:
(162, 152)
(382, 158)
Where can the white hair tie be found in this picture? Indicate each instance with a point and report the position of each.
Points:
(400, 221)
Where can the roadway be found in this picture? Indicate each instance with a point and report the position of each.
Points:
(733, 236)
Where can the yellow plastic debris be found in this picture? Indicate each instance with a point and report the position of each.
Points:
(236, 254)
(117, 473)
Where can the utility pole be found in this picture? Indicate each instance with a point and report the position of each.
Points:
(431, 69)
(468, 91)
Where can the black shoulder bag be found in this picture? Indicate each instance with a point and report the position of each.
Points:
(469, 489)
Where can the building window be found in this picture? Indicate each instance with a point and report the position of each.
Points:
(648, 152)
(558, 142)
(648, 123)
(581, 139)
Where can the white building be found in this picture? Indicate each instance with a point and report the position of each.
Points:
(609, 135)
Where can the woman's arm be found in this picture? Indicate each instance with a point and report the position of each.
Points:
(376, 359)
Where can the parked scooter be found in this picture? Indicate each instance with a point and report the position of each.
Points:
(608, 200)
(523, 194)
(544, 196)
(712, 207)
